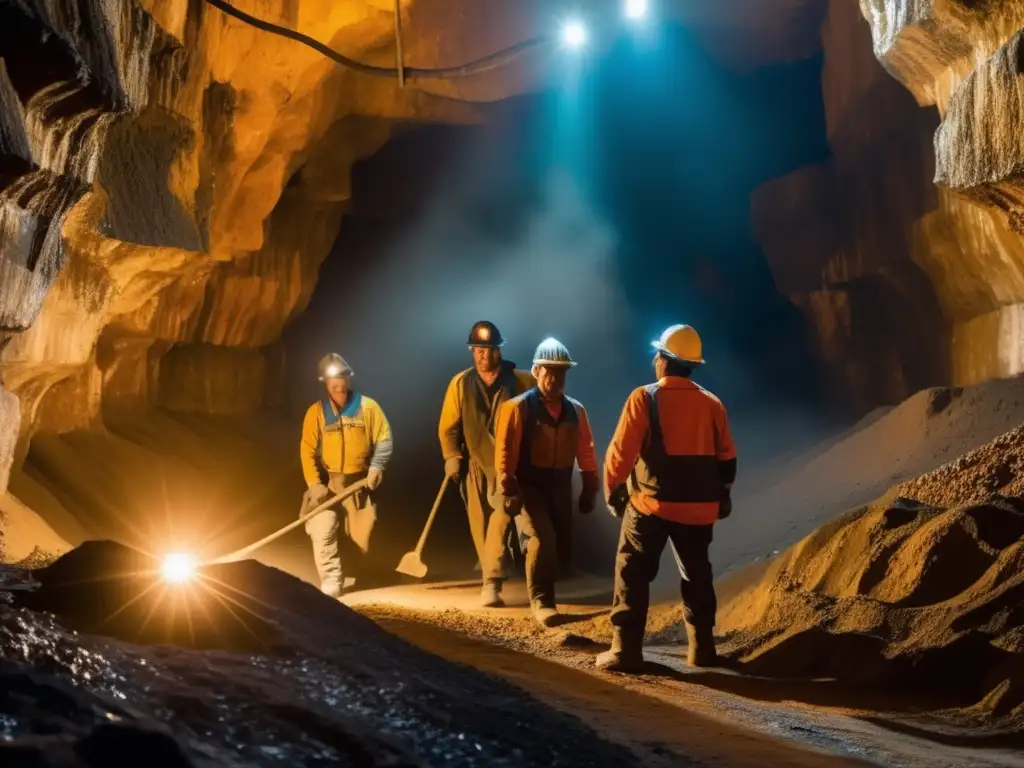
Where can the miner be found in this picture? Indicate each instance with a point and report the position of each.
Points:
(466, 432)
(674, 446)
(345, 438)
(541, 435)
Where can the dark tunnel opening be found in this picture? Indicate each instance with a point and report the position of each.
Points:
(599, 213)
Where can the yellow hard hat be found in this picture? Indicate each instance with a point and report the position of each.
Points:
(682, 343)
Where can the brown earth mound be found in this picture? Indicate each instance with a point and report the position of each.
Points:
(995, 469)
(929, 429)
(900, 594)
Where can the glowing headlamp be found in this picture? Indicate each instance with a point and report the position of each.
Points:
(333, 371)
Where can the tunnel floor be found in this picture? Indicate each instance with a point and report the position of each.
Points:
(672, 714)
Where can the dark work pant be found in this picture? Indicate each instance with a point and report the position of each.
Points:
(546, 518)
(480, 493)
(641, 543)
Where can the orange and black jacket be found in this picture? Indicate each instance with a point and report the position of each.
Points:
(673, 438)
(538, 445)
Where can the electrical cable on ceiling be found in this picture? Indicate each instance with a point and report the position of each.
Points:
(478, 66)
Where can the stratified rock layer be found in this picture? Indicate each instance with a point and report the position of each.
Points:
(171, 180)
(905, 249)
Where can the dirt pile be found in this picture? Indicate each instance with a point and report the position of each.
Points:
(334, 690)
(995, 469)
(891, 446)
(898, 594)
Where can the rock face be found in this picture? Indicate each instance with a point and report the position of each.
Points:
(171, 180)
(905, 249)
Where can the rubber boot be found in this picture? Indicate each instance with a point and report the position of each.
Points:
(626, 653)
(490, 594)
(546, 615)
(701, 646)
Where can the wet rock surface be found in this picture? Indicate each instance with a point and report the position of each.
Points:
(336, 690)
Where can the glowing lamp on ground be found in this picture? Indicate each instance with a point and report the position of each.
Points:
(574, 34)
(636, 9)
(177, 568)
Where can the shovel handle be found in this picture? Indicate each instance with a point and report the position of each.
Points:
(433, 513)
(322, 507)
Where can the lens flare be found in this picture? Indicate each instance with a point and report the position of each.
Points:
(177, 568)
(636, 9)
(574, 34)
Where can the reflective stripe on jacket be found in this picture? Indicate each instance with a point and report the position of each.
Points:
(534, 446)
(347, 441)
(681, 463)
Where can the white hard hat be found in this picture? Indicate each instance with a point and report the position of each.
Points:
(682, 343)
(552, 352)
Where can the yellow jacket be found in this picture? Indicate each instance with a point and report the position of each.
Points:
(348, 441)
(469, 413)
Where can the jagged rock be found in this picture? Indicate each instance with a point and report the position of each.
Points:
(10, 418)
(903, 249)
(14, 146)
(171, 180)
(977, 146)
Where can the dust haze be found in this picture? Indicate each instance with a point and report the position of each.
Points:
(541, 263)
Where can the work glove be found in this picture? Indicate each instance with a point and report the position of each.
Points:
(374, 478)
(513, 505)
(588, 496)
(453, 467)
(725, 504)
(587, 503)
(617, 501)
(318, 492)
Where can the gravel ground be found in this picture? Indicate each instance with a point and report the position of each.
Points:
(336, 690)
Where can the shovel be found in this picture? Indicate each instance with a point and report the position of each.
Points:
(411, 564)
(321, 507)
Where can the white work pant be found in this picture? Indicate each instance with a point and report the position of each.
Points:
(340, 536)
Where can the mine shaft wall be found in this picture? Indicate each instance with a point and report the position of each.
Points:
(904, 250)
(171, 180)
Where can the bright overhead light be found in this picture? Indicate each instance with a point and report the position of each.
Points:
(574, 34)
(636, 9)
(177, 568)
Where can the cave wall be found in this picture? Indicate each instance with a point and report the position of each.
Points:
(904, 249)
(171, 180)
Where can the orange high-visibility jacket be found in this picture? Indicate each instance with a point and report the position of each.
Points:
(535, 444)
(682, 462)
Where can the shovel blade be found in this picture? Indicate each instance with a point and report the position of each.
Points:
(411, 565)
